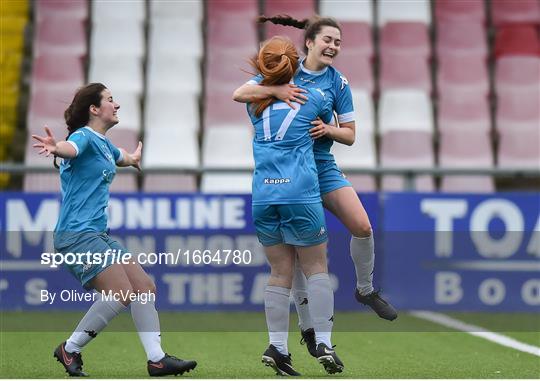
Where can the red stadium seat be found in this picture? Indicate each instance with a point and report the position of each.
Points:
(457, 11)
(227, 71)
(363, 183)
(462, 75)
(465, 149)
(67, 37)
(357, 68)
(405, 70)
(405, 37)
(464, 114)
(520, 148)
(221, 110)
(468, 184)
(356, 36)
(231, 8)
(515, 72)
(47, 108)
(461, 38)
(515, 12)
(518, 108)
(169, 183)
(57, 73)
(62, 9)
(42, 182)
(231, 25)
(517, 41)
(406, 149)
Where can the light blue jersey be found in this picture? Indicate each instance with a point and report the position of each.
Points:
(337, 91)
(85, 181)
(285, 170)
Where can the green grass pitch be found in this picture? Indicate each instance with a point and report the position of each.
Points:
(229, 345)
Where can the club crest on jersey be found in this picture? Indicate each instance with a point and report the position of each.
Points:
(344, 82)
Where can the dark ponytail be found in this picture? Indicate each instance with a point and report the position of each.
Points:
(311, 26)
(77, 114)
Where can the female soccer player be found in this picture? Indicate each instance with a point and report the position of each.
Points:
(287, 207)
(86, 172)
(322, 43)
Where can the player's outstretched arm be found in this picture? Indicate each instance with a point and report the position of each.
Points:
(287, 93)
(344, 134)
(48, 145)
(131, 159)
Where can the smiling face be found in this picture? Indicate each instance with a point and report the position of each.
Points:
(108, 109)
(324, 48)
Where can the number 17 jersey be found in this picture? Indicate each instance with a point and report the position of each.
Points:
(285, 170)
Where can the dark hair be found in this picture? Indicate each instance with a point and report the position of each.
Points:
(311, 26)
(277, 62)
(77, 114)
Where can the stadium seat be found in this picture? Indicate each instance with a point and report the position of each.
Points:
(41, 182)
(119, 74)
(362, 183)
(118, 11)
(364, 115)
(519, 149)
(57, 73)
(357, 37)
(407, 149)
(129, 114)
(467, 184)
(53, 37)
(111, 41)
(124, 182)
(62, 9)
(459, 11)
(404, 10)
(517, 41)
(231, 8)
(517, 72)
(172, 148)
(176, 10)
(465, 149)
(405, 37)
(123, 137)
(461, 38)
(405, 110)
(173, 73)
(218, 148)
(357, 68)
(517, 109)
(216, 183)
(47, 108)
(515, 12)
(404, 71)
(182, 37)
(226, 71)
(346, 10)
(168, 183)
(222, 111)
(171, 110)
(464, 113)
(462, 76)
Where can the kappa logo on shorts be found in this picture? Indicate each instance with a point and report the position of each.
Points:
(322, 231)
(86, 266)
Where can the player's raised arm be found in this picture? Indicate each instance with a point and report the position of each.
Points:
(48, 145)
(131, 159)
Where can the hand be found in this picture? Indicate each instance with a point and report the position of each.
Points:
(321, 129)
(47, 144)
(136, 157)
(290, 93)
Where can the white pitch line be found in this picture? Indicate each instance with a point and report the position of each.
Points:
(474, 330)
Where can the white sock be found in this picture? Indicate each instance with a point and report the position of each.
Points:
(146, 319)
(276, 309)
(321, 307)
(96, 318)
(300, 296)
(363, 256)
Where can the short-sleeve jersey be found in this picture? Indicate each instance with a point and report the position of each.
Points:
(336, 87)
(285, 170)
(85, 181)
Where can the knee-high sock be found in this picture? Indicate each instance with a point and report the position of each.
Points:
(363, 256)
(276, 308)
(97, 317)
(300, 296)
(146, 321)
(321, 307)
